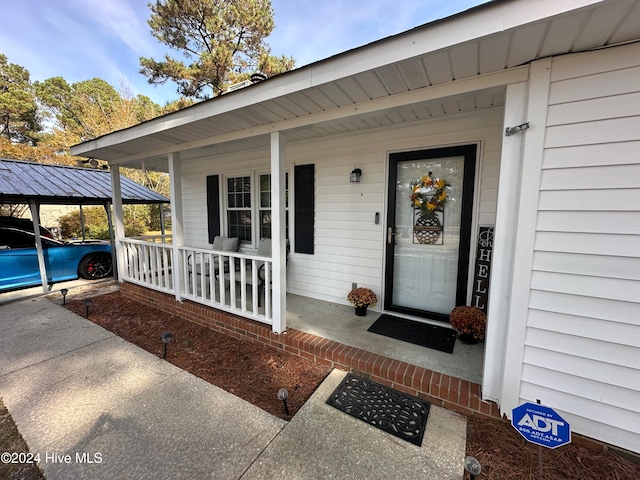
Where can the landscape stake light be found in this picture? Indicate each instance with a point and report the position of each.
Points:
(87, 304)
(64, 292)
(282, 396)
(166, 338)
(472, 466)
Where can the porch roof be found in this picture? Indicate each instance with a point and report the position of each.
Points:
(457, 64)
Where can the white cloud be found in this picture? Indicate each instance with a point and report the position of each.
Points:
(119, 19)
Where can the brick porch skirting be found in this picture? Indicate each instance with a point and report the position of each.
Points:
(453, 393)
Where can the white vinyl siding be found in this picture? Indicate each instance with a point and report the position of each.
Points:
(582, 344)
(349, 246)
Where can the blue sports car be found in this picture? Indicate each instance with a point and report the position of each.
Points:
(64, 261)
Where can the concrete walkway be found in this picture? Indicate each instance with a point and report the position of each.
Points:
(95, 406)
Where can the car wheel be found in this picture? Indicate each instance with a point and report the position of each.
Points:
(95, 266)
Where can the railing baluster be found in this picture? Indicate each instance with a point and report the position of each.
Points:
(267, 289)
(243, 288)
(254, 286)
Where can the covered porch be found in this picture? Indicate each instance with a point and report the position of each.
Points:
(465, 81)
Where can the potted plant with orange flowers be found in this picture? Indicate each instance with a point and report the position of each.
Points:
(469, 322)
(361, 298)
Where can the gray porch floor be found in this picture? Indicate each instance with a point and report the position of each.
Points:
(340, 323)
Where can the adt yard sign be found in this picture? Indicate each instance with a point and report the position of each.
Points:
(541, 425)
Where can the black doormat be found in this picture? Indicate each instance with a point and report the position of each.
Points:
(423, 334)
(394, 412)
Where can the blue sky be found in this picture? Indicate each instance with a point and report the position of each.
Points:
(82, 39)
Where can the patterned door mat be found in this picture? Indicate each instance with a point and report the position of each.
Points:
(394, 412)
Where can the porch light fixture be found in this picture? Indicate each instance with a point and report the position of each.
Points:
(64, 292)
(472, 466)
(517, 129)
(354, 176)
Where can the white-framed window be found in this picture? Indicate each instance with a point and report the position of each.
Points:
(248, 206)
(264, 204)
(239, 211)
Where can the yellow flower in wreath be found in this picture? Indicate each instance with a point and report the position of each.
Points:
(429, 194)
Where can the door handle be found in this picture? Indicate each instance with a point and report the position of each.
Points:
(390, 235)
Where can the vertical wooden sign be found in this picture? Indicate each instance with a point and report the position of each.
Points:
(482, 269)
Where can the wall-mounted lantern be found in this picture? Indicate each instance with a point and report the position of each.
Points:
(354, 176)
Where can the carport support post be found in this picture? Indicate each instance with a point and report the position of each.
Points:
(116, 198)
(278, 233)
(112, 239)
(35, 216)
(84, 235)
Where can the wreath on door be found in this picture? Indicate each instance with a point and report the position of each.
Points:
(428, 197)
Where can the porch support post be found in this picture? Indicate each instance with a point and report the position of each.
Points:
(504, 242)
(518, 313)
(278, 233)
(116, 201)
(35, 216)
(175, 181)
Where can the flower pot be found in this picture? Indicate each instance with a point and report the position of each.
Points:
(361, 311)
(468, 339)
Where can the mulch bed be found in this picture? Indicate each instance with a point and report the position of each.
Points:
(503, 453)
(12, 442)
(256, 373)
(251, 371)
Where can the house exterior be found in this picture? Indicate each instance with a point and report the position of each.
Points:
(530, 111)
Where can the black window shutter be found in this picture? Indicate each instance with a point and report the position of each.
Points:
(213, 206)
(304, 208)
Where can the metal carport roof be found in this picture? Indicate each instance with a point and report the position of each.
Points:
(38, 183)
(21, 181)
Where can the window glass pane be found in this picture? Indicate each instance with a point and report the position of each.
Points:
(239, 222)
(265, 224)
(265, 183)
(239, 192)
(264, 203)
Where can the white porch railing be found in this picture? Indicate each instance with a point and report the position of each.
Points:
(234, 282)
(148, 264)
(229, 281)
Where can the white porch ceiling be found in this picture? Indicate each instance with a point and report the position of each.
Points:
(303, 105)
